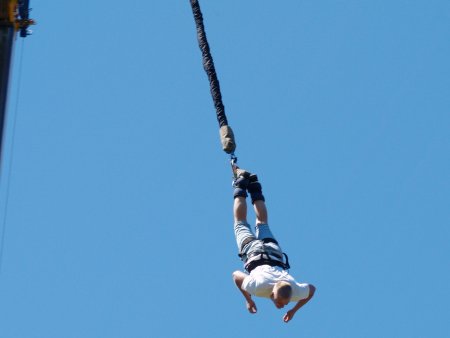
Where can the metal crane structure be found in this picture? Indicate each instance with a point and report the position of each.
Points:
(14, 19)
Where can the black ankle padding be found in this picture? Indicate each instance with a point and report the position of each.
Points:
(241, 182)
(253, 178)
(257, 196)
(254, 187)
(239, 192)
(255, 190)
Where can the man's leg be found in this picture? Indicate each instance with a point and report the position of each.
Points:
(258, 200)
(242, 230)
(260, 212)
(240, 209)
(259, 204)
(246, 181)
(240, 185)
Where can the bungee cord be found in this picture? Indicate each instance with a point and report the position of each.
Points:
(226, 133)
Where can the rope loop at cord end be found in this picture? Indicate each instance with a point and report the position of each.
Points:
(227, 139)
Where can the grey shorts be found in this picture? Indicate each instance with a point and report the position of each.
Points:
(248, 242)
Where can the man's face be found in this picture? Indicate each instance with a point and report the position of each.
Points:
(279, 302)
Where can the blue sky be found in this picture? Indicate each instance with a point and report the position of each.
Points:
(119, 218)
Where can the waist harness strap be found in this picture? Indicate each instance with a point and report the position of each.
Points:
(264, 258)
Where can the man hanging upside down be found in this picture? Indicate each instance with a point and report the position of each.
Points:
(262, 256)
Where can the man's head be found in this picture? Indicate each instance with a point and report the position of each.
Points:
(281, 294)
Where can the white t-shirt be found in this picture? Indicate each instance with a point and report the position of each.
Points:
(262, 279)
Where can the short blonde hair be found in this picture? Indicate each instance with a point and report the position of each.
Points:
(282, 290)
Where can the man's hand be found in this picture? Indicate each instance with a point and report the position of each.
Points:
(251, 306)
(289, 315)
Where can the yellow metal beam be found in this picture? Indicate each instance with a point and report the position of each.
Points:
(8, 11)
(10, 15)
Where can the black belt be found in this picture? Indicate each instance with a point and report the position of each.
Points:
(265, 253)
(258, 262)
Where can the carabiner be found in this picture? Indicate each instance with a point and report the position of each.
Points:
(233, 159)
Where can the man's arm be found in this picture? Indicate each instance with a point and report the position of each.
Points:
(290, 314)
(238, 277)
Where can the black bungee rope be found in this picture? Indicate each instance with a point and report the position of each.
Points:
(226, 133)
